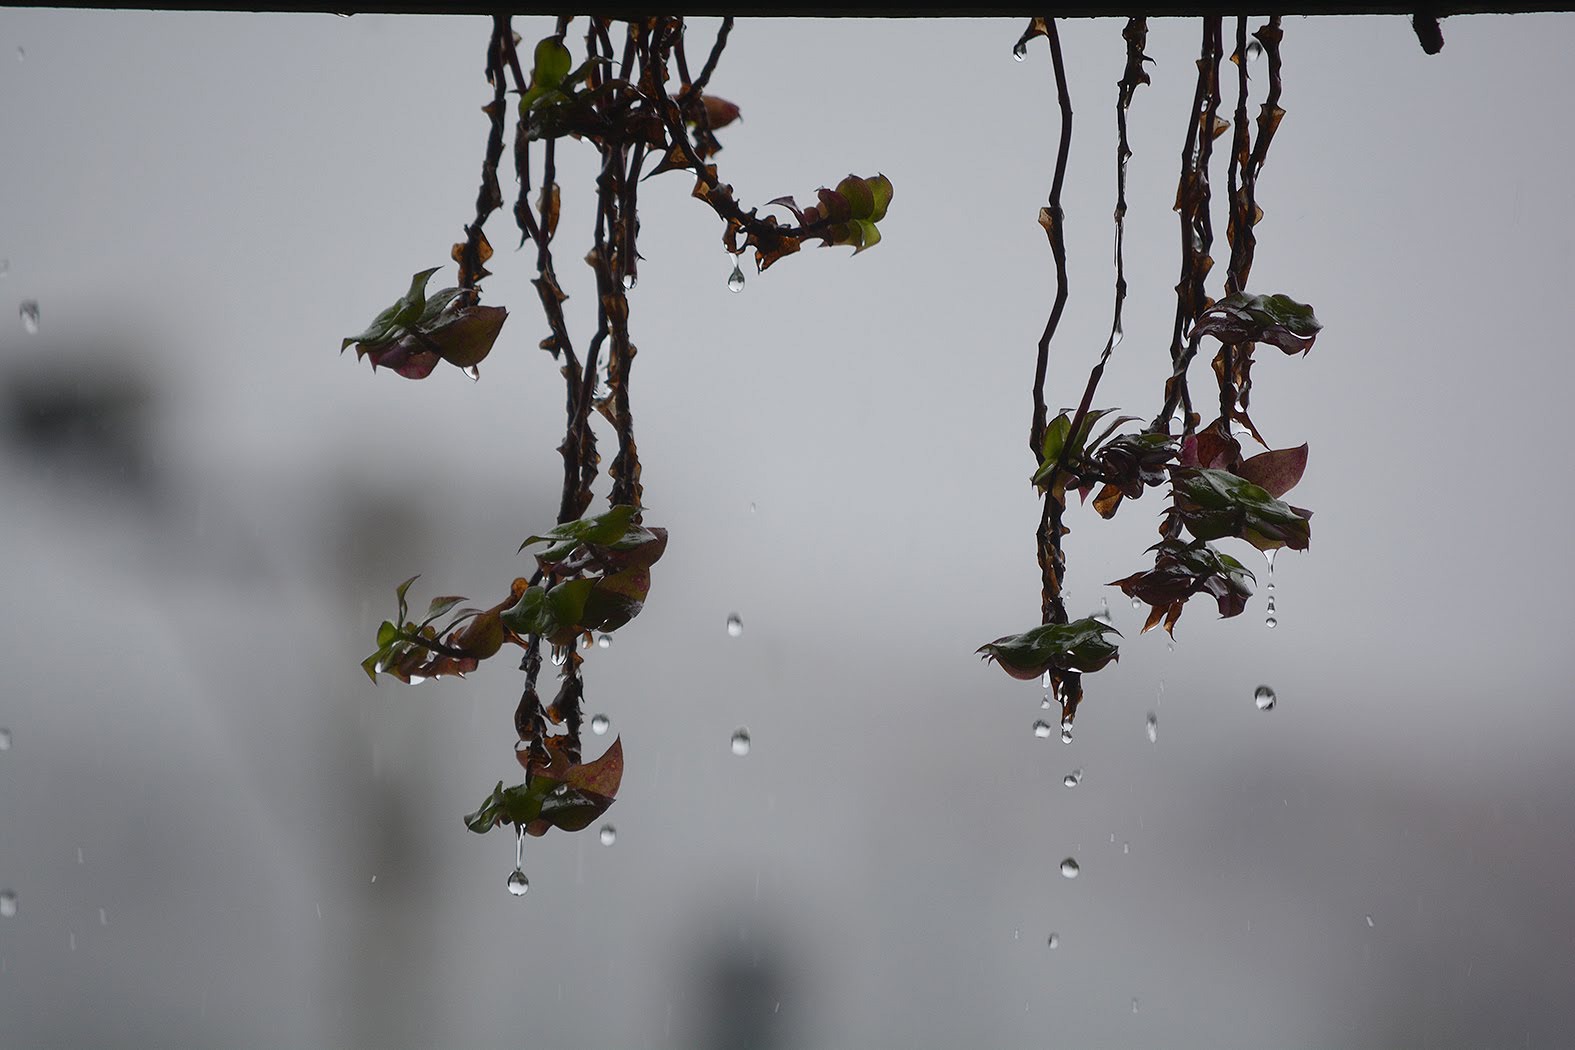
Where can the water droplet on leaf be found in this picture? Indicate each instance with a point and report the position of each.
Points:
(1152, 725)
(1264, 697)
(473, 372)
(599, 724)
(1041, 729)
(629, 282)
(609, 834)
(735, 280)
(604, 641)
(1069, 868)
(28, 311)
(518, 883)
(735, 626)
(741, 742)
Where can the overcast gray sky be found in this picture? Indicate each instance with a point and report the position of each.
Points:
(220, 834)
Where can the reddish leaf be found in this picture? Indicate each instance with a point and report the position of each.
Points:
(1277, 471)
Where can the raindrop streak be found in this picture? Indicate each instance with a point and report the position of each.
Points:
(5, 739)
(741, 742)
(609, 834)
(1369, 922)
(1041, 729)
(103, 917)
(1269, 619)
(1020, 50)
(7, 903)
(1073, 778)
(599, 724)
(1069, 868)
(735, 626)
(1055, 941)
(735, 280)
(1153, 727)
(1264, 697)
(1134, 1005)
(28, 311)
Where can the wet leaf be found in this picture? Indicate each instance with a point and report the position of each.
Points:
(1077, 646)
(1275, 319)
(1182, 570)
(1276, 471)
(719, 112)
(1215, 503)
(602, 529)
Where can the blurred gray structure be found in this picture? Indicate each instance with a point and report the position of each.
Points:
(220, 834)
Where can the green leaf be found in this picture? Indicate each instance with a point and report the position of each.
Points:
(881, 191)
(861, 201)
(387, 635)
(529, 615)
(553, 62)
(1054, 439)
(601, 530)
(869, 236)
(1077, 646)
(440, 606)
(369, 665)
(404, 610)
(566, 606)
(1216, 503)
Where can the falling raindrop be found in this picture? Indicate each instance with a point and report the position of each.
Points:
(629, 282)
(599, 724)
(1269, 619)
(7, 903)
(1020, 50)
(1254, 50)
(1103, 615)
(735, 626)
(1045, 703)
(609, 834)
(518, 883)
(1055, 941)
(735, 280)
(29, 314)
(1152, 725)
(1069, 868)
(21, 54)
(1134, 1005)
(1369, 922)
(1041, 729)
(103, 916)
(473, 372)
(603, 641)
(5, 739)
(559, 655)
(1073, 778)
(73, 940)
(741, 742)
(1137, 603)
(79, 854)
(5, 267)
(1066, 732)
(1264, 697)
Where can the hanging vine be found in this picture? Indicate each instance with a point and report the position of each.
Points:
(1215, 492)
(631, 97)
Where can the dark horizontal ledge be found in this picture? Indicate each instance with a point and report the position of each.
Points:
(866, 9)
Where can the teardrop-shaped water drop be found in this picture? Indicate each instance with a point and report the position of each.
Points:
(1269, 619)
(474, 372)
(1073, 778)
(1103, 615)
(559, 655)
(599, 724)
(28, 311)
(603, 641)
(608, 834)
(1066, 732)
(1020, 50)
(1254, 50)
(1045, 703)
(1152, 725)
(629, 282)
(735, 280)
(586, 641)
(1069, 868)
(735, 626)
(7, 903)
(741, 742)
(1264, 697)
(1137, 603)
(518, 884)
(1041, 729)
(1055, 941)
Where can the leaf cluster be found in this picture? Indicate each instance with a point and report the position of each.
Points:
(419, 330)
(559, 793)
